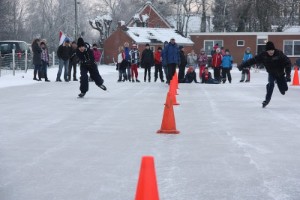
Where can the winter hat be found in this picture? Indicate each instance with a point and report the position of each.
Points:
(67, 40)
(147, 45)
(202, 50)
(181, 47)
(159, 48)
(270, 46)
(80, 42)
(227, 50)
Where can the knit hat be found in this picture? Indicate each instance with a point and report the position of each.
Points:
(181, 47)
(159, 48)
(147, 45)
(80, 42)
(67, 40)
(270, 46)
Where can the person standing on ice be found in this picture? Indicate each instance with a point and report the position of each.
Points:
(36, 59)
(147, 61)
(127, 57)
(135, 61)
(202, 61)
(216, 64)
(45, 60)
(63, 54)
(246, 71)
(171, 58)
(158, 65)
(182, 65)
(87, 64)
(226, 66)
(73, 62)
(278, 66)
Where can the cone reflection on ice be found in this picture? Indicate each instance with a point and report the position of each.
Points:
(168, 124)
(147, 185)
(296, 77)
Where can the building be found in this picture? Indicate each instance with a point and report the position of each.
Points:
(146, 26)
(237, 42)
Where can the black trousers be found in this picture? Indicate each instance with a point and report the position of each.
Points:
(181, 73)
(171, 71)
(147, 71)
(226, 72)
(217, 73)
(281, 84)
(158, 69)
(84, 79)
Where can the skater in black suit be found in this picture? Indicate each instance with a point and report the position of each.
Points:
(87, 64)
(278, 66)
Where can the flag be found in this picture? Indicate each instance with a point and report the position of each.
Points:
(62, 37)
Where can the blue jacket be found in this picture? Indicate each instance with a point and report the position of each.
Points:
(247, 56)
(171, 54)
(127, 53)
(227, 61)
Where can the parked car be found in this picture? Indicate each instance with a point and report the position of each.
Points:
(7, 46)
(20, 47)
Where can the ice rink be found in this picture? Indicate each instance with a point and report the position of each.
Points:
(54, 146)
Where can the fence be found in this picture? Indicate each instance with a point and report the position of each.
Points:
(20, 62)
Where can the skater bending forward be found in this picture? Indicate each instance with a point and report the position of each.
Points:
(87, 64)
(278, 67)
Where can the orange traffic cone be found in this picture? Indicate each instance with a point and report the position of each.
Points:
(176, 79)
(168, 124)
(296, 77)
(173, 87)
(147, 186)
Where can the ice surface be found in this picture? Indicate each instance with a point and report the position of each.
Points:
(54, 146)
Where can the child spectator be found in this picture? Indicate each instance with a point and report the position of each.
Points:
(207, 79)
(216, 64)
(246, 71)
(190, 75)
(202, 61)
(121, 65)
(226, 66)
(135, 61)
(158, 65)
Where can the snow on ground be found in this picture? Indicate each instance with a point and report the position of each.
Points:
(55, 146)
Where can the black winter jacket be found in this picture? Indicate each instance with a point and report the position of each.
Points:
(86, 58)
(37, 51)
(64, 52)
(183, 61)
(147, 58)
(276, 65)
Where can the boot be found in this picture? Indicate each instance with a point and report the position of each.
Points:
(81, 95)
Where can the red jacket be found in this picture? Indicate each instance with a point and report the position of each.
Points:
(216, 60)
(157, 57)
(97, 55)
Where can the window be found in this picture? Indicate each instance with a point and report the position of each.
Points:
(291, 47)
(152, 48)
(209, 44)
(240, 43)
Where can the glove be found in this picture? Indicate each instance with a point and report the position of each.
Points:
(240, 67)
(288, 78)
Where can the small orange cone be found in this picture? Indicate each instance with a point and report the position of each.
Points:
(147, 186)
(168, 124)
(296, 77)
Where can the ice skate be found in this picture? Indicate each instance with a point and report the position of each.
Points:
(265, 103)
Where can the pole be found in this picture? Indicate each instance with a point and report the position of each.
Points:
(26, 59)
(53, 59)
(14, 60)
(76, 20)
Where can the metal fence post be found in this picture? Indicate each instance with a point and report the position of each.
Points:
(14, 61)
(0, 63)
(53, 59)
(26, 60)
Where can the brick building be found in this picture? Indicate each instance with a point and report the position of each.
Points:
(237, 42)
(146, 26)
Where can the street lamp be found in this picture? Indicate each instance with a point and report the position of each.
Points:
(76, 18)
